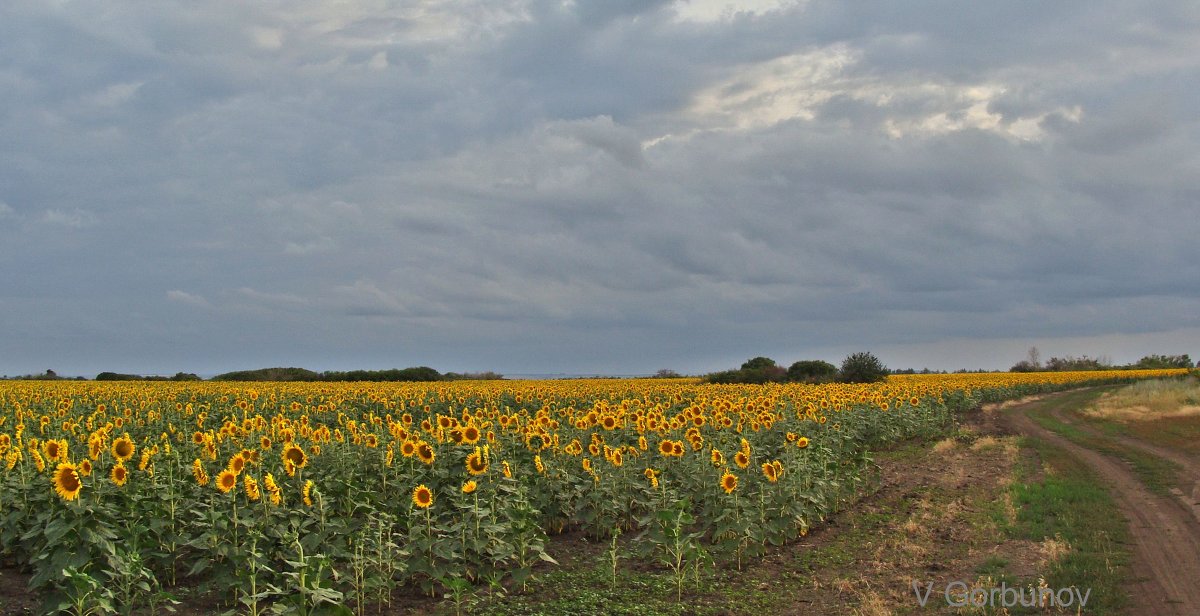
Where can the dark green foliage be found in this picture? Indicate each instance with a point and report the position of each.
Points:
(758, 363)
(473, 376)
(420, 373)
(115, 376)
(270, 374)
(862, 368)
(1072, 364)
(1151, 362)
(755, 371)
(812, 371)
(1024, 366)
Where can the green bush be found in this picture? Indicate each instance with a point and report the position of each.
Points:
(862, 368)
(812, 371)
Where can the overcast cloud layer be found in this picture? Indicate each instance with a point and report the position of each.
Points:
(615, 187)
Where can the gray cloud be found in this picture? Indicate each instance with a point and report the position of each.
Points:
(534, 186)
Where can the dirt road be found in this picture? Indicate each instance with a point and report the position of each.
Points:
(1165, 531)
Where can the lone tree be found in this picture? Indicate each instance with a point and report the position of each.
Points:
(862, 368)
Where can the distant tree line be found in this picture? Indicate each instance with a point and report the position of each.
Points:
(116, 376)
(1070, 363)
(856, 368)
(415, 374)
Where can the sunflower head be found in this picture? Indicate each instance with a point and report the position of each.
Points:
(237, 463)
(469, 487)
(425, 453)
(802, 442)
(729, 482)
(251, 486)
(770, 472)
(122, 448)
(741, 459)
(307, 493)
(294, 455)
(67, 482)
(476, 464)
(199, 473)
(226, 481)
(119, 474)
(422, 497)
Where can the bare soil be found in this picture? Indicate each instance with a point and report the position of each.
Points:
(1165, 531)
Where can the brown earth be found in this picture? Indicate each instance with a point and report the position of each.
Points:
(1189, 465)
(1164, 531)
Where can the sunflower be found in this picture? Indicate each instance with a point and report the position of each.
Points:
(237, 463)
(507, 469)
(119, 474)
(802, 442)
(199, 473)
(252, 491)
(770, 472)
(677, 449)
(122, 449)
(408, 448)
(55, 449)
(587, 464)
(198, 438)
(537, 462)
(729, 482)
(470, 435)
(38, 461)
(226, 481)
(422, 497)
(718, 458)
(742, 459)
(307, 493)
(469, 486)
(616, 459)
(85, 468)
(666, 448)
(67, 482)
(476, 464)
(264, 443)
(652, 476)
(425, 453)
(294, 455)
(642, 444)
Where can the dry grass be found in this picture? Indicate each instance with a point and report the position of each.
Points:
(873, 605)
(1053, 550)
(945, 445)
(1149, 400)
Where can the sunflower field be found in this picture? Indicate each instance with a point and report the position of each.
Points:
(335, 498)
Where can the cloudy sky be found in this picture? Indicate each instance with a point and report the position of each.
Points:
(613, 187)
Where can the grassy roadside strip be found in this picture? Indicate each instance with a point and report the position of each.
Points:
(1067, 503)
(1157, 474)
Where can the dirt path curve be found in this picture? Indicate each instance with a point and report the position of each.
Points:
(1166, 537)
(1189, 466)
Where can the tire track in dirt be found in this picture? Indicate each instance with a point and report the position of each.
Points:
(1166, 538)
(1190, 466)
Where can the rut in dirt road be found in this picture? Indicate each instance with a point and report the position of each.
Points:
(1165, 536)
(1189, 466)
